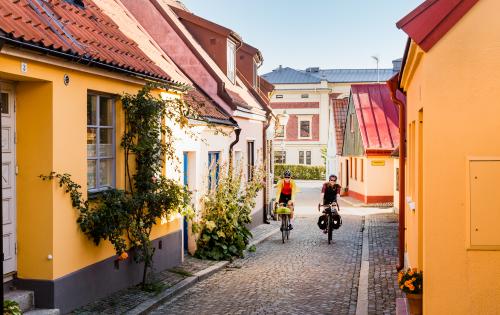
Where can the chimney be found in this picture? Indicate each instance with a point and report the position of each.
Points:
(396, 64)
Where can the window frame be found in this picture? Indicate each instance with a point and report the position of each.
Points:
(98, 188)
(255, 76)
(305, 119)
(305, 95)
(277, 135)
(212, 154)
(279, 96)
(231, 61)
(308, 157)
(282, 157)
(250, 159)
(301, 157)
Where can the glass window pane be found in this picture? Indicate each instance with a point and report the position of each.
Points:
(105, 111)
(91, 142)
(91, 110)
(305, 129)
(105, 142)
(106, 173)
(91, 174)
(4, 103)
(280, 131)
(308, 157)
(301, 157)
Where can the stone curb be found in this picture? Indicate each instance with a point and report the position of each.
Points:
(146, 307)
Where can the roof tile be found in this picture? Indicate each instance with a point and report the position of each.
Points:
(84, 32)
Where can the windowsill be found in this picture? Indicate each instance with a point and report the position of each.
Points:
(96, 194)
(304, 138)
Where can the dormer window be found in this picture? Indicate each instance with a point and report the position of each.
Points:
(231, 61)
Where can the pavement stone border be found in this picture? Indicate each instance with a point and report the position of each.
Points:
(185, 284)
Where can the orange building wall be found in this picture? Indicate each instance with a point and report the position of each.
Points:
(457, 85)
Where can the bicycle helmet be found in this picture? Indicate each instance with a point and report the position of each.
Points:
(287, 173)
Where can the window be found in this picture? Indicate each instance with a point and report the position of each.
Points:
(279, 96)
(304, 96)
(280, 131)
(100, 143)
(280, 157)
(305, 127)
(305, 157)
(231, 61)
(355, 168)
(213, 169)
(251, 159)
(350, 167)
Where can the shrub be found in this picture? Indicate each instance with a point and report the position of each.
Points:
(226, 213)
(305, 172)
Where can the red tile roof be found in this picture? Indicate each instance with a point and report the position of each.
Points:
(237, 99)
(430, 21)
(204, 105)
(377, 116)
(86, 33)
(340, 107)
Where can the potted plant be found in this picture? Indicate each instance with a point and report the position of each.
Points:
(410, 282)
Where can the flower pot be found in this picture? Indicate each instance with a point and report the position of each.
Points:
(414, 303)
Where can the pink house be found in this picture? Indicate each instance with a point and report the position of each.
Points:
(220, 64)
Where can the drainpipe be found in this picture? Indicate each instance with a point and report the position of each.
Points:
(394, 87)
(237, 132)
(264, 160)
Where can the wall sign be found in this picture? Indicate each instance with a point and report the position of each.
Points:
(378, 163)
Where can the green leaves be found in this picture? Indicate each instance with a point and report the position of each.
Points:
(226, 213)
(11, 308)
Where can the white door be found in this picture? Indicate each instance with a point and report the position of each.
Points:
(8, 176)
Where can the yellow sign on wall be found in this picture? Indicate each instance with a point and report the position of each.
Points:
(378, 163)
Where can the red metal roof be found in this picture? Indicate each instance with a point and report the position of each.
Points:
(430, 21)
(377, 116)
(340, 107)
(84, 32)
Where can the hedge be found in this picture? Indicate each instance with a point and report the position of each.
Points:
(305, 172)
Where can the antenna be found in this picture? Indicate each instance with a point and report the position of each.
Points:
(377, 60)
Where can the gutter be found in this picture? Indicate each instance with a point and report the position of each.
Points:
(84, 60)
(237, 132)
(394, 87)
(269, 117)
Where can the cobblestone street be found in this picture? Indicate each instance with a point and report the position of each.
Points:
(304, 275)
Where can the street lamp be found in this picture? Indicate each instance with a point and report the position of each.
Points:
(377, 60)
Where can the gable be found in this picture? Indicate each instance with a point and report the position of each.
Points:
(352, 143)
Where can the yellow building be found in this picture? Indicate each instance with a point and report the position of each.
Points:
(451, 76)
(60, 90)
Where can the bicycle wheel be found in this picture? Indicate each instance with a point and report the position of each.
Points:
(330, 228)
(287, 226)
(284, 227)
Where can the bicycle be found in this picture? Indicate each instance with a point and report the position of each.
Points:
(333, 218)
(283, 213)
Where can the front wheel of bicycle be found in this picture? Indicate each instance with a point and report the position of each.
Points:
(284, 227)
(330, 229)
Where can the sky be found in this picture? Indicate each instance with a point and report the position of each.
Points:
(314, 33)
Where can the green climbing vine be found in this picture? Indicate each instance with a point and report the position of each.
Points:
(127, 217)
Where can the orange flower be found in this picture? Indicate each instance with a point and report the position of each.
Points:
(123, 256)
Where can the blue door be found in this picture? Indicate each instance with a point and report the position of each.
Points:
(186, 168)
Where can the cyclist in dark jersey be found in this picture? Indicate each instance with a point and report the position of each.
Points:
(330, 190)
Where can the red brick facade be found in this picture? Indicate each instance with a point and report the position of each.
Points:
(292, 128)
(286, 105)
